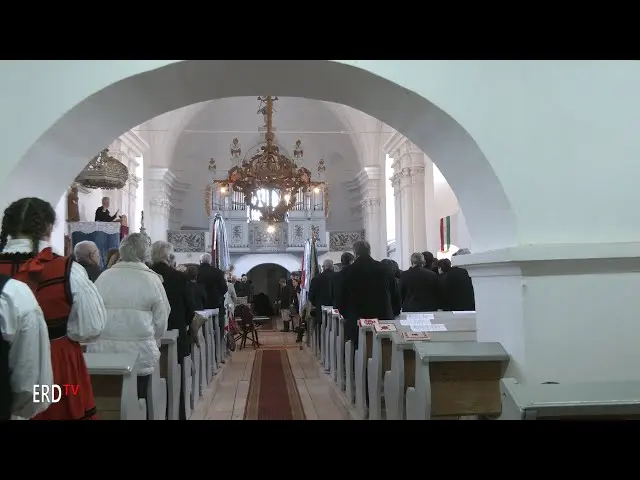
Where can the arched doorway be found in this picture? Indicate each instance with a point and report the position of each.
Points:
(265, 278)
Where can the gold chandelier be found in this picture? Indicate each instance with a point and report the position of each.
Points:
(104, 171)
(271, 170)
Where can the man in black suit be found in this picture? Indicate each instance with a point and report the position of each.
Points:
(321, 291)
(366, 291)
(456, 288)
(102, 213)
(419, 287)
(430, 262)
(215, 285)
(346, 259)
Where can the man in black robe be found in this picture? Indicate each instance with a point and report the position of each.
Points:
(102, 213)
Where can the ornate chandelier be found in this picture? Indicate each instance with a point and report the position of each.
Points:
(270, 170)
(105, 172)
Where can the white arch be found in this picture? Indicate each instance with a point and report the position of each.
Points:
(96, 120)
(249, 261)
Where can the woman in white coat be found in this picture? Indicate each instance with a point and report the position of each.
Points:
(137, 309)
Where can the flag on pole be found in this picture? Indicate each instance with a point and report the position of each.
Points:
(445, 234)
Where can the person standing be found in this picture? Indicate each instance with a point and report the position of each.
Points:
(72, 307)
(25, 352)
(102, 213)
(214, 283)
(87, 254)
(419, 287)
(366, 292)
(284, 301)
(322, 290)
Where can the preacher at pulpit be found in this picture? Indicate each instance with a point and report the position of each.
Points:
(102, 213)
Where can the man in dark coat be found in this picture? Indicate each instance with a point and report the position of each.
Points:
(456, 288)
(87, 254)
(367, 290)
(214, 283)
(419, 287)
(346, 259)
(321, 291)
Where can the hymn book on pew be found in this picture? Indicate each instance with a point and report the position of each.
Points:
(415, 336)
(368, 322)
(385, 327)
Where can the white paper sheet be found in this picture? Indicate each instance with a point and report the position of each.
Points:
(435, 327)
(417, 319)
(461, 312)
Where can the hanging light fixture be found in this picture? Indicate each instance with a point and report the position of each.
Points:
(104, 171)
(269, 170)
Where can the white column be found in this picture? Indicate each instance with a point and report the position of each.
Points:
(157, 223)
(406, 199)
(419, 215)
(60, 227)
(397, 203)
(372, 226)
(431, 216)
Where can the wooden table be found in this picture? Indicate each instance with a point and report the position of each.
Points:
(456, 379)
(570, 401)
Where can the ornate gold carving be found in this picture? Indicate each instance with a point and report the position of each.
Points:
(208, 193)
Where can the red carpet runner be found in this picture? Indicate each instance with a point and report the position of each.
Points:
(273, 394)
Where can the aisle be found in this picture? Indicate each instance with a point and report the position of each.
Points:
(317, 395)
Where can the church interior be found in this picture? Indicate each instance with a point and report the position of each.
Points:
(495, 166)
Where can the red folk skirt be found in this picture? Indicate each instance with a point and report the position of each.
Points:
(69, 368)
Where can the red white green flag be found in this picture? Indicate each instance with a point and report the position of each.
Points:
(445, 234)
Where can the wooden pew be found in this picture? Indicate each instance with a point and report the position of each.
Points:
(349, 365)
(170, 370)
(187, 379)
(215, 354)
(157, 396)
(340, 351)
(115, 387)
(460, 328)
(198, 361)
(362, 356)
(208, 349)
(324, 331)
(570, 401)
(454, 379)
(333, 345)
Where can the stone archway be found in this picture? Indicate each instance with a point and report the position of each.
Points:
(115, 102)
(247, 262)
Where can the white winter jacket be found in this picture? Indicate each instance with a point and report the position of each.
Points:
(137, 313)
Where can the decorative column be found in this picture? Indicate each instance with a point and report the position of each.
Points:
(431, 216)
(419, 217)
(369, 182)
(406, 200)
(158, 220)
(395, 182)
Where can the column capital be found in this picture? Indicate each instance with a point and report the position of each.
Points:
(370, 203)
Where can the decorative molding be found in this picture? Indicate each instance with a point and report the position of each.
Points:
(341, 241)
(162, 202)
(370, 203)
(186, 241)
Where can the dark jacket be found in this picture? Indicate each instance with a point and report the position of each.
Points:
(419, 290)
(456, 290)
(214, 283)
(285, 296)
(243, 289)
(103, 216)
(198, 295)
(180, 301)
(367, 291)
(322, 290)
(92, 271)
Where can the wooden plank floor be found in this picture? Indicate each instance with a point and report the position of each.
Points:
(319, 398)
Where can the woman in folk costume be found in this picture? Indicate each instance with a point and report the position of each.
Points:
(73, 309)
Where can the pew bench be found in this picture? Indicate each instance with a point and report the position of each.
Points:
(570, 401)
(455, 379)
(334, 335)
(347, 359)
(170, 371)
(401, 374)
(115, 387)
(361, 358)
(325, 353)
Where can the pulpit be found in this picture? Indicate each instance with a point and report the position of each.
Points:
(106, 235)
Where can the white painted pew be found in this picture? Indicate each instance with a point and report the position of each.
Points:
(570, 401)
(187, 379)
(170, 370)
(349, 366)
(324, 343)
(454, 379)
(333, 345)
(340, 351)
(460, 328)
(157, 396)
(215, 352)
(362, 356)
(115, 387)
(208, 349)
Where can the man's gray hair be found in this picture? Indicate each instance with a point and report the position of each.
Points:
(134, 248)
(162, 252)
(327, 265)
(87, 252)
(362, 248)
(105, 198)
(417, 259)
(205, 258)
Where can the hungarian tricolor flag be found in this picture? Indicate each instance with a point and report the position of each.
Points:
(445, 234)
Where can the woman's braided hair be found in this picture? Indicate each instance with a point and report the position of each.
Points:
(28, 217)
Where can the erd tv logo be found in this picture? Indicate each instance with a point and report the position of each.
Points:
(53, 393)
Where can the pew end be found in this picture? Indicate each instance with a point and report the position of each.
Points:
(456, 379)
(570, 401)
(115, 387)
(170, 371)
